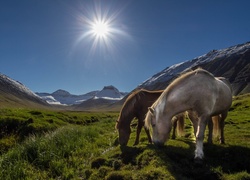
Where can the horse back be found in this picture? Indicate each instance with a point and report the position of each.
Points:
(145, 99)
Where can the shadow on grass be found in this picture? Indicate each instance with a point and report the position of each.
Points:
(129, 154)
(219, 159)
(176, 161)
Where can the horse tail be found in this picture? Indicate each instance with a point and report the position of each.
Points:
(216, 127)
(180, 124)
(116, 125)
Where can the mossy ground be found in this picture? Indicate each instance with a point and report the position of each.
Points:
(43, 144)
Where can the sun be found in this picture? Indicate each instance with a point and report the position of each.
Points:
(100, 29)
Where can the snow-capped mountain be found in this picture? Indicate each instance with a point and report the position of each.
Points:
(226, 61)
(16, 91)
(109, 92)
(62, 97)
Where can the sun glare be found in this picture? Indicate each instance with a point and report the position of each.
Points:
(100, 29)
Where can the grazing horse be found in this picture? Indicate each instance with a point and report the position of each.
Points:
(198, 91)
(135, 106)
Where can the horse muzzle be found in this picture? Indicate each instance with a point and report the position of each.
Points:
(158, 143)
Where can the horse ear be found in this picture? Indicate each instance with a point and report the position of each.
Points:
(151, 110)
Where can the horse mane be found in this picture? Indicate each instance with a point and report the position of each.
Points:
(176, 81)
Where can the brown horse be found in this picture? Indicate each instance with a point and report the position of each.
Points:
(135, 106)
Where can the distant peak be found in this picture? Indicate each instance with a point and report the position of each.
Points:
(110, 87)
(61, 92)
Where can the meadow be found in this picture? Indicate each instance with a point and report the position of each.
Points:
(50, 144)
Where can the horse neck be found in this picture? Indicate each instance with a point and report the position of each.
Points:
(125, 119)
(126, 116)
(168, 106)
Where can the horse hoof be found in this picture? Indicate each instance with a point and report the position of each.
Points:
(210, 142)
(198, 161)
(159, 145)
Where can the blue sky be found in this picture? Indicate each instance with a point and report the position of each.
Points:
(48, 44)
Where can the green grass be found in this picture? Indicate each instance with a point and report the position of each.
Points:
(83, 145)
(17, 124)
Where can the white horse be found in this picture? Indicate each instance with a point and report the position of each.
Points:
(198, 91)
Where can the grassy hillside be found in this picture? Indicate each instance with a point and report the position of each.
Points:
(8, 100)
(43, 144)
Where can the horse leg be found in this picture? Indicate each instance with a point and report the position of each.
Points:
(221, 127)
(194, 119)
(210, 131)
(200, 137)
(175, 119)
(138, 131)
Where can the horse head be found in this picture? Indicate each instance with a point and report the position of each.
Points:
(161, 127)
(124, 133)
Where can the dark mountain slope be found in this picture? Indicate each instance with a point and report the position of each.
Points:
(232, 63)
(15, 94)
(235, 68)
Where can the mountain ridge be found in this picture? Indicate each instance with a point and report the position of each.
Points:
(221, 62)
(62, 97)
(14, 93)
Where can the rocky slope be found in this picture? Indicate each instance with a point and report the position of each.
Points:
(232, 63)
(15, 93)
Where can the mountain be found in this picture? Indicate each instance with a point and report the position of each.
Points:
(232, 63)
(62, 97)
(110, 92)
(15, 94)
(103, 99)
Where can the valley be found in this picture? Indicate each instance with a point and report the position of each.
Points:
(56, 144)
